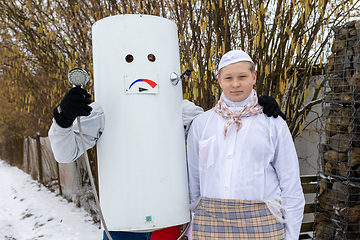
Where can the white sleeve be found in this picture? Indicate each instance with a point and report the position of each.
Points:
(189, 112)
(193, 165)
(66, 142)
(286, 165)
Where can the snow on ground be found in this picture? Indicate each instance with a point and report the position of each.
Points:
(29, 211)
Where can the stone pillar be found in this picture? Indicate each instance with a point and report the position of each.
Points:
(338, 208)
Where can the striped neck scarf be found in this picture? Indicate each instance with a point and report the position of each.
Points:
(252, 108)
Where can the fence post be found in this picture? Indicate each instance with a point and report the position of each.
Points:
(59, 182)
(38, 145)
(28, 162)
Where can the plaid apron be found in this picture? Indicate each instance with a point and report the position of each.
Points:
(235, 219)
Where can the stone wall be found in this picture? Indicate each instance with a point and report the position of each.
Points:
(338, 209)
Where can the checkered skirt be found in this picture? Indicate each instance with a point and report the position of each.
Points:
(235, 219)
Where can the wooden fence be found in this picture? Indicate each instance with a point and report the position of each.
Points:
(309, 187)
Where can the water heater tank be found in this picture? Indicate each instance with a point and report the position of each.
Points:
(141, 154)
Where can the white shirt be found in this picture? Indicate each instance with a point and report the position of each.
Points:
(259, 162)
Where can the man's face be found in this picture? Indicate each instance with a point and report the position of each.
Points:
(237, 81)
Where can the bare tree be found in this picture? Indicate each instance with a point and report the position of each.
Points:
(41, 41)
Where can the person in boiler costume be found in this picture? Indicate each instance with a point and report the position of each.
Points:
(243, 168)
(66, 144)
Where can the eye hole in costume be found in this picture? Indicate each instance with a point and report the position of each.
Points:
(151, 57)
(129, 58)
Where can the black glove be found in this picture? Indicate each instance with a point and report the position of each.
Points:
(74, 104)
(271, 107)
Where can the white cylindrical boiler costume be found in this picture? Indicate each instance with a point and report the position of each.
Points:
(141, 154)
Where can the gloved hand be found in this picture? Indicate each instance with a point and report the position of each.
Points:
(271, 107)
(74, 104)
